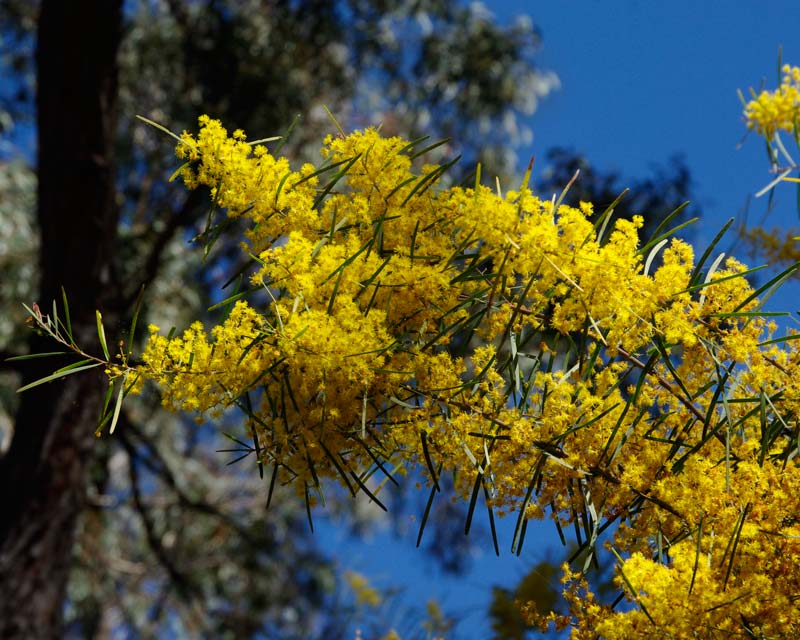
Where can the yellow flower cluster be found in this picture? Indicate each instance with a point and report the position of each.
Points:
(773, 111)
(500, 339)
(246, 180)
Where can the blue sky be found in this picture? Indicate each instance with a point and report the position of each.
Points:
(640, 81)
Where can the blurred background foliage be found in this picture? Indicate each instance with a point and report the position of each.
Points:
(172, 541)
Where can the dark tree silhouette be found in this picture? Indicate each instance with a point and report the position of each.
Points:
(44, 474)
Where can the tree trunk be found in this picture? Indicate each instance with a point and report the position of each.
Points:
(43, 476)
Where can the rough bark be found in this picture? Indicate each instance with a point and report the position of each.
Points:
(43, 476)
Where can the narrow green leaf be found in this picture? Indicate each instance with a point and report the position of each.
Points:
(101, 334)
(308, 508)
(37, 315)
(285, 136)
(179, 170)
(430, 147)
(741, 97)
(750, 314)
(338, 467)
(742, 274)
(491, 520)
(162, 128)
(136, 309)
(107, 399)
(652, 255)
(231, 299)
(272, 480)
(323, 169)
(401, 403)
(673, 214)
(429, 179)
(795, 336)
(696, 553)
(366, 490)
(365, 284)
(32, 356)
(235, 460)
(666, 234)
(773, 282)
(335, 122)
(329, 187)
(104, 415)
(335, 292)
(67, 318)
(527, 177)
(733, 543)
(253, 143)
(428, 460)
(413, 143)
(258, 339)
(473, 501)
(283, 182)
(557, 522)
(213, 233)
(58, 374)
(771, 187)
(602, 221)
(520, 527)
(762, 403)
(117, 406)
(73, 365)
(566, 189)
(413, 245)
(349, 260)
(696, 274)
(377, 462)
(364, 414)
(400, 186)
(55, 321)
(426, 513)
(236, 440)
